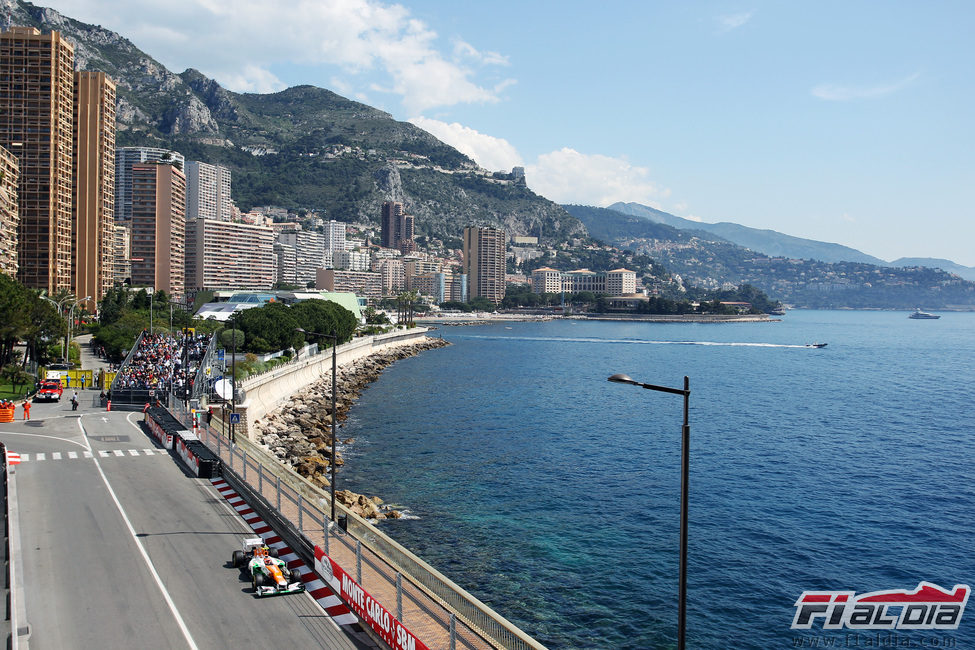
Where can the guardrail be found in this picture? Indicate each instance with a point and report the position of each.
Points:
(439, 612)
(127, 359)
(16, 612)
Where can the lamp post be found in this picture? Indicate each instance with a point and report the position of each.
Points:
(684, 475)
(333, 464)
(71, 322)
(60, 305)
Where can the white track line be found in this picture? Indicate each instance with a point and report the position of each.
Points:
(145, 556)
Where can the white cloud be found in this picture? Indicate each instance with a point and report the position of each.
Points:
(495, 154)
(837, 93)
(254, 80)
(567, 176)
(564, 176)
(731, 22)
(244, 44)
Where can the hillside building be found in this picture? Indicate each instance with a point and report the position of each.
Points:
(397, 227)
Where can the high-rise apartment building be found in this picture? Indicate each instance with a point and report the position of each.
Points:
(484, 262)
(351, 260)
(122, 250)
(228, 255)
(36, 111)
(309, 247)
(393, 275)
(286, 263)
(208, 191)
(94, 187)
(365, 284)
(9, 214)
(397, 227)
(335, 236)
(159, 227)
(125, 158)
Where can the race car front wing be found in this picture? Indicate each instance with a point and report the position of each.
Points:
(275, 590)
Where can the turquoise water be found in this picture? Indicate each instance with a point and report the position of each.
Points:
(553, 495)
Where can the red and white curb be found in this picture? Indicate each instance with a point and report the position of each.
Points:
(331, 603)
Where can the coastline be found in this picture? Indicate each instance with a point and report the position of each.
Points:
(298, 433)
(482, 318)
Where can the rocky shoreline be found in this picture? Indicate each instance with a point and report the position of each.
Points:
(299, 432)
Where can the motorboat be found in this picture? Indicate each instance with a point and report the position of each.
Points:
(815, 345)
(923, 315)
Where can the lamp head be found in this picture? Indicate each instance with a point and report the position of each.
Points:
(621, 379)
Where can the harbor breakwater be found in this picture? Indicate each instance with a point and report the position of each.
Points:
(298, 432)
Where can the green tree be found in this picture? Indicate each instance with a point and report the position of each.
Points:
(269, 327)
(227, 336)
(324, 317)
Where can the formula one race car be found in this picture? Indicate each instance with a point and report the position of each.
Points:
(269, 575)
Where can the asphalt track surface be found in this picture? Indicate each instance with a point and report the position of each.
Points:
(129, 550)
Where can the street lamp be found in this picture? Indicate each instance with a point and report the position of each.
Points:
(71, 319)
(335, 342)
(684, 475)
(60, 306)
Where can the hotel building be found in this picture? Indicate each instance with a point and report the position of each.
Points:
(484, 262)
(36, 125)
(159, 227)
(93, 240)
(618, 282)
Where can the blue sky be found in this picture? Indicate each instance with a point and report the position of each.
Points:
(848, 122)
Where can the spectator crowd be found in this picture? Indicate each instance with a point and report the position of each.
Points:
(164, 362)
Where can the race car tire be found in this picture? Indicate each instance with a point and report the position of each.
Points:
(259, 580)
(273, 552)
(238, 559)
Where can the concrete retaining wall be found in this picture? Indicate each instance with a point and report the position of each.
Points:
(268, 391)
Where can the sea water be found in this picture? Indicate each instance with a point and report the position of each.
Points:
(554, 495)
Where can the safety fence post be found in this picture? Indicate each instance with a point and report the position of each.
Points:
(358, 561)
(399, 595)
(301, 513)
(328, 533)
(278, 492)
(260, 479)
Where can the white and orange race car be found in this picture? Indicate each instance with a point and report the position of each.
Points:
(269, 574)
